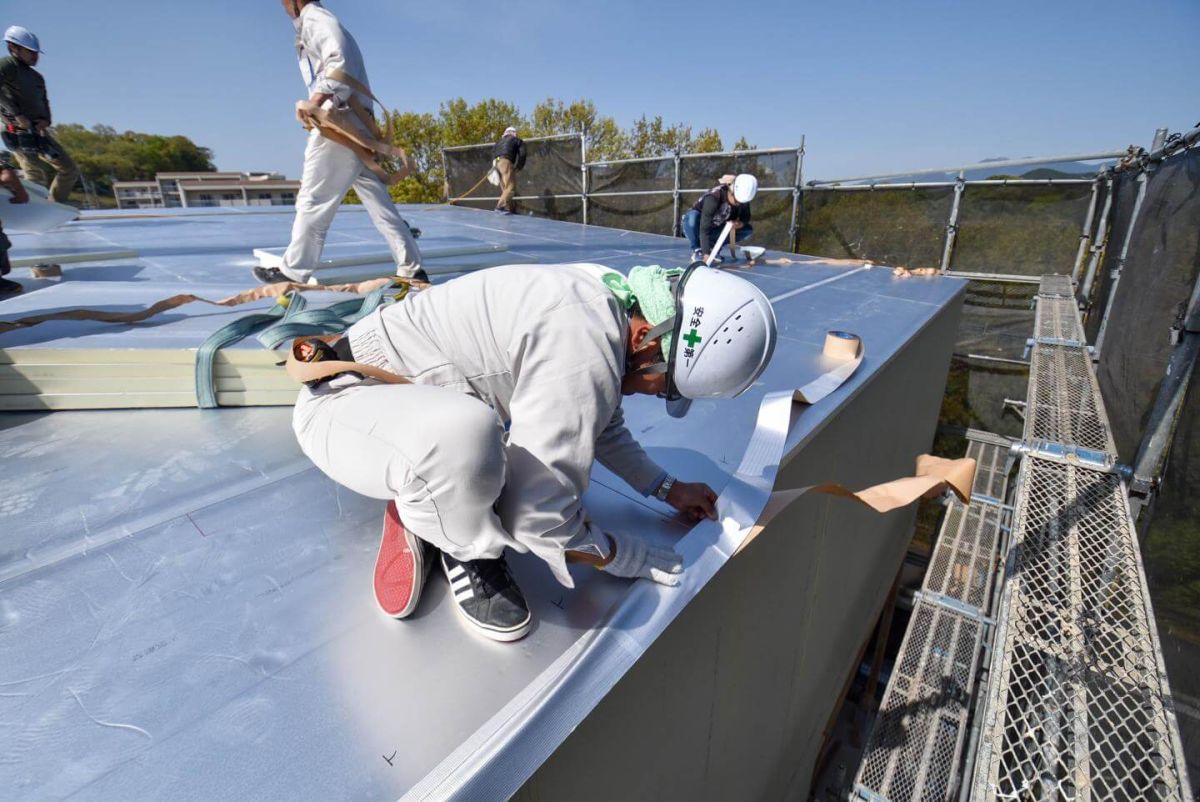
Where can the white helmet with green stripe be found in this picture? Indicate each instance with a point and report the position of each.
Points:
(721, 337)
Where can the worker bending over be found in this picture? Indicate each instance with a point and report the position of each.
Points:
(9, 181)
(518, 374)
(726, 202)
(25, 111)
(331, 169)
(508, 157)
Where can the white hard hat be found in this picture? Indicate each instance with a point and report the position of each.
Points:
(745, 187)
(23, 37)
(724, 334)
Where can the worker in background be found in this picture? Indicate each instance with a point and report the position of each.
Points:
(518, 374)
(10, 181)
(331, 169)
(726, 202)
(509, 159)
(25, 112)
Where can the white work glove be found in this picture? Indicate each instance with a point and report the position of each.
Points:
(636, 558)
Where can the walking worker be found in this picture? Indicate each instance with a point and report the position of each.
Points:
(728, 201)
(511, 386)
(330, 62)
(10, 181)
(508, 157)
(25, 112)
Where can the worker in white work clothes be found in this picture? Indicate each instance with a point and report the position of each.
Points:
(517, 375)
(331, 168)
(508, 157)
(25, 114)
(727, 202)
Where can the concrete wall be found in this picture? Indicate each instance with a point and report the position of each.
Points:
(731, 701)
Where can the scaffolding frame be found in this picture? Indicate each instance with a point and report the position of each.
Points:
(1076, 704)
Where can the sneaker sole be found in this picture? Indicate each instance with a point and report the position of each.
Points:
(491, 633)
(399, 567)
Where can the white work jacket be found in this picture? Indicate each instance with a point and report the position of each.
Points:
(545, 347)
(323, 46)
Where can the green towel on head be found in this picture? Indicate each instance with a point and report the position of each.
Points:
(650, 287)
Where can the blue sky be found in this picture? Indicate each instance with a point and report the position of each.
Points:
(877, 86)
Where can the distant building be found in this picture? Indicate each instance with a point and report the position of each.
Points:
(189, 190)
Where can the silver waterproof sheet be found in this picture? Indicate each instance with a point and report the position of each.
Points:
(185, 602)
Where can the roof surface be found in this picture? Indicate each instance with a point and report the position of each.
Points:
(185, 601)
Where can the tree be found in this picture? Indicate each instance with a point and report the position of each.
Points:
(602, 136)
(742, 144)
(104, 156)
(420, 135)
(654, 138)
(485, 121)
(707, 141)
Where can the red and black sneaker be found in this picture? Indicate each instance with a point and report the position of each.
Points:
(399, 568)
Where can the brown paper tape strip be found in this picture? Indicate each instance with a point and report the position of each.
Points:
(175, 301)
(934, 475)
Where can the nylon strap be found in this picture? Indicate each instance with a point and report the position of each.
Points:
(206, 354)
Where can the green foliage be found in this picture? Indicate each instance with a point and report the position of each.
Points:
(655, 138)
(603, 138)
(742, 144)
(461, 123)
(104, 155)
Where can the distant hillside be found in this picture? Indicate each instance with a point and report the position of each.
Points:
(1048, 170)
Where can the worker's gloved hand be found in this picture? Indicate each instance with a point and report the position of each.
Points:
(634, 558)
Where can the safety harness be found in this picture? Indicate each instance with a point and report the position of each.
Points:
(355, 126)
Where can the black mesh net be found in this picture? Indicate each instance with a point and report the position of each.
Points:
(552, 167)
(702, 171)
(652, 214)
(1020, 230)
(894, 226)
(975, 395)
(1171, 550)
(997, 320)
(1151, 297)
(640, 176)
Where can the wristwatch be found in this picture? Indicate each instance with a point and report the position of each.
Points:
(665, 488)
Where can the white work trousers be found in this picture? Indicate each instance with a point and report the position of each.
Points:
(438, 453)
(330, 170)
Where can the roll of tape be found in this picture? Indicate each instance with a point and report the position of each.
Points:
(842, 345)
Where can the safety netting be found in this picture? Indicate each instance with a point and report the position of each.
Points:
(651, 214)
(1024, 230)
(643, 175)
(889, 226)
(553, 167)
(1151, 297)
(997, 319)
(1171, 552)
(773, 169)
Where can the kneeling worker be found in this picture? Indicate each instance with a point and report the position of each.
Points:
(728, 201)
(25, 110)
(326, 52)
(516, 378)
